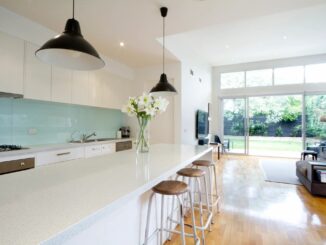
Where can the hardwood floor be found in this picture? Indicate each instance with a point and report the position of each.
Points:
(257, 212)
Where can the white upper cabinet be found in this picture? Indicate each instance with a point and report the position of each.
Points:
(95, 89)
(80, 88)
(37, 82)
(106, 92)
(61, 85)
(115, 91)
(11, 64)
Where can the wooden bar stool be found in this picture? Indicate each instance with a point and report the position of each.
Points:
(196, 174)
(214, 198)
(176, 189)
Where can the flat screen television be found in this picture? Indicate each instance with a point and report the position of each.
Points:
(201, 124)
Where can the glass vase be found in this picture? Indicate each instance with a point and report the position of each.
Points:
(143, 135)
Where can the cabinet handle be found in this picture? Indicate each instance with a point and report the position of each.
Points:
(63, 153)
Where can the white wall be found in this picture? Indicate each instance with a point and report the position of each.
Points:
(178, 123)
(164, 128)
(195, 95)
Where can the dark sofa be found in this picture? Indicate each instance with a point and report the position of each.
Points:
(306, 172)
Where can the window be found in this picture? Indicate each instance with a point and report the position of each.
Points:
(233, 80)
(288, 75)
(316, 73)
(259, 78)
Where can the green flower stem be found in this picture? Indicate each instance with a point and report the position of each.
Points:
(142, 144)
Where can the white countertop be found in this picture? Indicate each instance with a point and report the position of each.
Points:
(37, 204)
(49, 147)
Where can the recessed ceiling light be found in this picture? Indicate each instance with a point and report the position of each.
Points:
(122, 44)
(285, 37)
(227, 46)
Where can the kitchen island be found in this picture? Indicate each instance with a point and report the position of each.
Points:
(100, 200)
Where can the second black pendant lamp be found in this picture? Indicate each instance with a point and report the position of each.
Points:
(163, 87)
(70, 49)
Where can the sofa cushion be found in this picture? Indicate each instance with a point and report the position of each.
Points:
(302, 167)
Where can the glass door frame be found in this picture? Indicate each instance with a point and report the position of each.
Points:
(304, 114)
(246, 121)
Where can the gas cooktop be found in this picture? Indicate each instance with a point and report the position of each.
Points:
(11, 148)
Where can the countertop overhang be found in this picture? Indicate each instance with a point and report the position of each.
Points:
(38, 204)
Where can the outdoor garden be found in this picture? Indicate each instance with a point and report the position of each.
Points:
(275, 123)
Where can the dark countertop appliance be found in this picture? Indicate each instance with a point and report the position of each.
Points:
(125, 132)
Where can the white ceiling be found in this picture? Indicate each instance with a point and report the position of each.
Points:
(287, 34)
(200, 27)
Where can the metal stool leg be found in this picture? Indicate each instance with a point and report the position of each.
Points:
(196, 240)
(216, 192)
(148, 218)
(183, 237)
(210, 190)
(207, 203)
(162, 219)
(171, 216)
(201, 210)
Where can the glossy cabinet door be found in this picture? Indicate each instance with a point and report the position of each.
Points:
(37, 82)
(115, 91)
(108, 148)
(11, 63)
(62, 155)
(93, 150)
(61, 85)
(95, 89)
(80, 88)
(106, 91)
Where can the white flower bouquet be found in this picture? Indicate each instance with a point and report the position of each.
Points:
(144, 107)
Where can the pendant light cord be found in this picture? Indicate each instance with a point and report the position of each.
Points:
(163, 44)
(73, 9)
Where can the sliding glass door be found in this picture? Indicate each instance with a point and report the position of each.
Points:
(234, 116)
(270, 125)
(315, 133)
(275, 124)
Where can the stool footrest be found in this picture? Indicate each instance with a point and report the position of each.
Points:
(186, 234)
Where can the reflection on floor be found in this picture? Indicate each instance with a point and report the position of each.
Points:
(257, 212)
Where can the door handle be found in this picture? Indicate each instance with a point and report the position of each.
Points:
(63, 153)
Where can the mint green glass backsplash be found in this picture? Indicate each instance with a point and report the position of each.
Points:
(30, 122)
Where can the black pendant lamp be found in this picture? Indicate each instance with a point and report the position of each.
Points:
(70, 49)
(163, 87)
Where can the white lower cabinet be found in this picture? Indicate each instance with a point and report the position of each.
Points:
(97, 150)
(93, 150)
(55, 156)
(108, 148)
(48, 157)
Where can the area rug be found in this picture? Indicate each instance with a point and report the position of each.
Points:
(280, 171)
